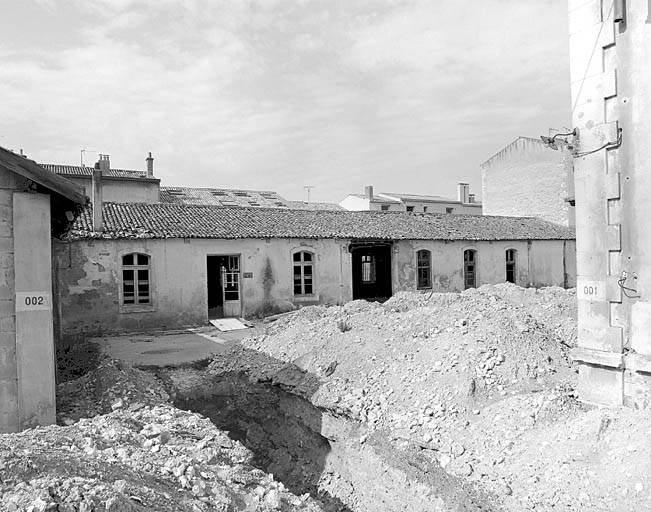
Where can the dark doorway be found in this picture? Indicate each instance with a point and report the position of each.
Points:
(470, 268)
(371, 272)
(223, 285)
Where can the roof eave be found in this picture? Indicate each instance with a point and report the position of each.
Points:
(32, 171)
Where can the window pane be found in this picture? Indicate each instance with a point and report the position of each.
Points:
(297, 271)
(143, 259)
(127, 275)
(297, 288)
(307, 256)
(127, 259)
(307, 270)
(143, 275)
(308, 287)
(297, 256)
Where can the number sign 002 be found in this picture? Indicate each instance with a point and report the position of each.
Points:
(33, 301)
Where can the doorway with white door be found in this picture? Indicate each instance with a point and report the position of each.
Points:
(223, 286)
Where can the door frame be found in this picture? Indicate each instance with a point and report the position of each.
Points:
(221, 283)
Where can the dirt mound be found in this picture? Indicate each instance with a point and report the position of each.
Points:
(442, 371)
(137, 459)
(112, 385)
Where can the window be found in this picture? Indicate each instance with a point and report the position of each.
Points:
(303, 273)
(135, 279)
(368, 268)
(384, 207)
(410, 208)
(511, 255)
(449, 210)
(469, 268)
(424, 209)
(424, 267)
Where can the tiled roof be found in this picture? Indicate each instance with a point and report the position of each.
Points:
(221, 197)
(77, 170)
(160, 220)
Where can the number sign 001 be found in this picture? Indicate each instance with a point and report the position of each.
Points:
(591, 290)
(33, 301)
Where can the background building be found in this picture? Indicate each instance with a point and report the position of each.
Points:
(529, 179)
(388, 201)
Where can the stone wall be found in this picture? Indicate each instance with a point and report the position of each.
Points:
(527, 179)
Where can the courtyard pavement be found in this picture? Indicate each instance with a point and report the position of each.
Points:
(171, 348)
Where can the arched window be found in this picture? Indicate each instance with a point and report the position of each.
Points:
(303, 273)
(424, 269)
(469, 268)
(511, 256)
(135, 279)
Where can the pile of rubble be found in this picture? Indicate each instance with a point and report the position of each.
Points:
(138, 457)
(481, 381)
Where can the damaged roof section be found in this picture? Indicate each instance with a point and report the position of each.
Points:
(160, 220)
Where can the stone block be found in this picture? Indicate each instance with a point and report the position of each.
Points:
(601, 386)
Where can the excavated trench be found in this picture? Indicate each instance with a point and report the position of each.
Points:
(315, 451)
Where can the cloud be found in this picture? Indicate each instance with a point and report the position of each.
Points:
(408, 95)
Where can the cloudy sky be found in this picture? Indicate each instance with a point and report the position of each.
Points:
(408, 95)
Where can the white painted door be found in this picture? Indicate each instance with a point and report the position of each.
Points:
(231, 287)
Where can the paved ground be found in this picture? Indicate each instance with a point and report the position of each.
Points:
(170, 348)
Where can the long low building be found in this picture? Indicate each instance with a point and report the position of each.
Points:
(142, 266)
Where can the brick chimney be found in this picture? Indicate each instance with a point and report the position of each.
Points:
(150, 165)
(368, 192)
(463, 192)
(103, 164)
(96, 198)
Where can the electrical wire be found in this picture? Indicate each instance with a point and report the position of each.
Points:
(587, 68)
(626, 289)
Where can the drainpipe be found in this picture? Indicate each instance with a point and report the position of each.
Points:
(97, 200)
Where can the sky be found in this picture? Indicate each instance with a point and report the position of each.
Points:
(410, 96)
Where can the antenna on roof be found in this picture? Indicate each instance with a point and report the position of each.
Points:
(308, 188)
(81, 154)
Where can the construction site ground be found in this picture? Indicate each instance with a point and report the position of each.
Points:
(470, 394)
(169, 348)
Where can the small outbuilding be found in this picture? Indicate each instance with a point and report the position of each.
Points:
(35, 207)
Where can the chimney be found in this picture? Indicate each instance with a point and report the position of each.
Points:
(150, 165)
(97, 198)
(103, 164)
(471, 198)
(463, 192)
(368, 191)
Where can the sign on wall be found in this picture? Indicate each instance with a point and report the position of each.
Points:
(591, 290)
(33, 301)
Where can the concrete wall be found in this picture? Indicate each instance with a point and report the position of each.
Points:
(26, 341)
(539, 263)
(611, 90)
(88, 276)
(527, 179)
(122, 190)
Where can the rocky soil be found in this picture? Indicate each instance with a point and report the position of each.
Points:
(144, 455)
(481, 381)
